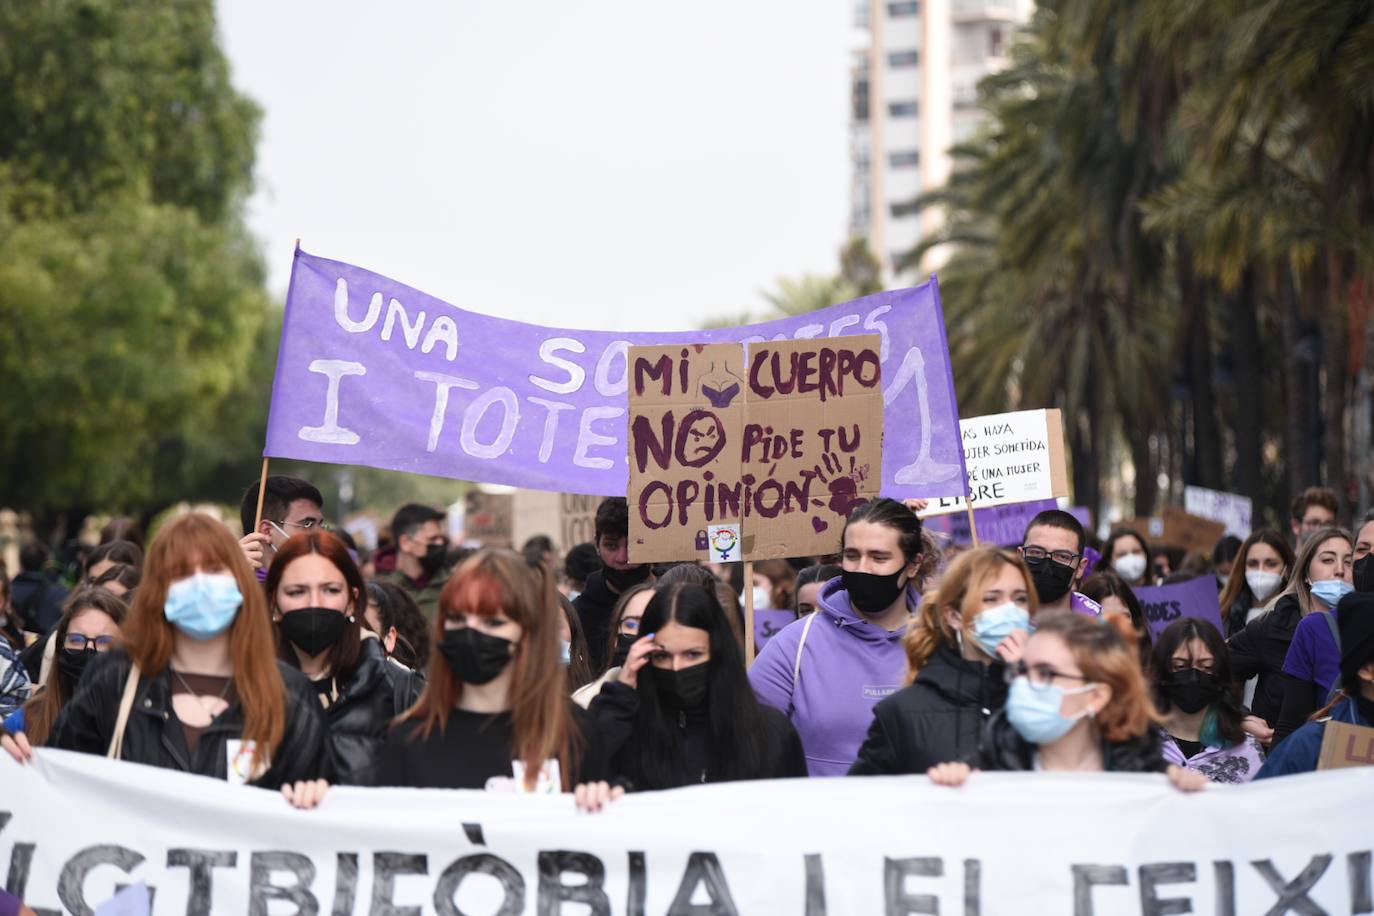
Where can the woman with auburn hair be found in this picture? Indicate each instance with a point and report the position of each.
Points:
(1078, 701)
(318, 600)
(89, 626)
(495, 711)
(196, 685)
(967, 631)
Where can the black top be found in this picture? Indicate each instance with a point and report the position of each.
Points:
(617, 706)
(204, 689)
(1260, 649)
(594, 607)
(360, 708)
(154, 736)
(937, 719)
(1190, 749)
(474, 747)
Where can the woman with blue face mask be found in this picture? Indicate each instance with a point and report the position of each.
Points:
(968, 631)
(195, 685)
(1320, 577)
(1077, 702)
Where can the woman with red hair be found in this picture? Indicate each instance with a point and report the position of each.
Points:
(318, 600)
(196, 685)
(495, 712)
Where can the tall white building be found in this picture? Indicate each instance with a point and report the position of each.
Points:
(915, 89)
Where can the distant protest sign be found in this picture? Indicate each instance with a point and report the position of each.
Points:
(1231, 509)
(1010, 458)
(1345, 745)
(489, 517)
(373, 372)
(769, 623)
(1178, 528)
(1163, 604)
(751, 454)
(999, 525)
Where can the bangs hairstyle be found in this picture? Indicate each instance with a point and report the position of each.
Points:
(342, 657)
(41, 711)
(184, 543)
(1237, 593)
(488, 583)
(960, 587)
(1105, 650)
(1221, 726)
(1297, 575)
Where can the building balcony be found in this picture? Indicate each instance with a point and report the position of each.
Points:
(983, 11)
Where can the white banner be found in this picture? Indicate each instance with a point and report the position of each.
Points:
(74, 828)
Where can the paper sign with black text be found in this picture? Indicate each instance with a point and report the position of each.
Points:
(1010, 458)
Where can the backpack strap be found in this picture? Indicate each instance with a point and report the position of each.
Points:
(796, 664)
(126, 704)
(1336, 635)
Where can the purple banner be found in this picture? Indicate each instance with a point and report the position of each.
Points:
(375, 373)
(768, 624)
(1163, 604)
(998, 526)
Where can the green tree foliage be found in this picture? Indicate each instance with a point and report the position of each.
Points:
(139, 337)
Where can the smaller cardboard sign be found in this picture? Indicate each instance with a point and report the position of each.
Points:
(1345, 745)
(489, 518)
(1178, 528)
(1163, 604)
(1010, 458)
(1231, 509)
(576, 519)
(769, 623)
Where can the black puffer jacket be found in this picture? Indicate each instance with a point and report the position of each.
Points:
(1260, 649)
(153, 736)
(375, 693)
(616, 707)
(937, 719)
(1003, 749)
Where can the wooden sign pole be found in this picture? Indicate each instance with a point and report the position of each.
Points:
(749, 610)
(972, 522)
(262, 494)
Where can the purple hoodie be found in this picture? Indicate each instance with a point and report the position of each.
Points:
(847, 666)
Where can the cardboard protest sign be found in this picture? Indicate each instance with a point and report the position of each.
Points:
(1010, 458)
(1231, 509)
(1345, 745)
(488, 517)
(373, 372)
(576, 519)
(1178, 528)
(756, 456)
(1163, 604)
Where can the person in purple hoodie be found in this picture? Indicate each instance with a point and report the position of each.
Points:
(1054, 549)
(829, 669)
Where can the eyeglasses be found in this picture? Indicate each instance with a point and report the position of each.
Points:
(1040, 677)
(630, 624)
(309, 524)
(1062, 557)
(78, 643)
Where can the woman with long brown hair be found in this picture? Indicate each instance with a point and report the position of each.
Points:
(1078, 702)
(196, 685)
(318, 601)
(495, 711)
(967, 631)
(90, 625)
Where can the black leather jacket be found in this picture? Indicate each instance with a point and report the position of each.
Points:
(153, 736)
(1003, 749)
(376, 691)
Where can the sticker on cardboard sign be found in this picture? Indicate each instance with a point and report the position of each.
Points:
(724, 543)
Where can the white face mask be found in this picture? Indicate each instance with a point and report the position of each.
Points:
(1131, 566)
(763, 600)
(1262, 584)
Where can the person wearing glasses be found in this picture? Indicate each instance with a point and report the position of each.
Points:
(1053, 549)
(1078, 702)
(1314, 509)
(966, 632)
(1319, 579)
(625, 619)
(89, 625)
(290, 507)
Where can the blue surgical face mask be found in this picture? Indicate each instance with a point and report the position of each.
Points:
(565, 653)
(1331, 591)
(997, 623)
(204, 605)
(1034, 712)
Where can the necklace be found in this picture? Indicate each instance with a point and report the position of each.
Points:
(208, 707)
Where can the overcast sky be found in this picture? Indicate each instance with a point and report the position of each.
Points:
(610, 164)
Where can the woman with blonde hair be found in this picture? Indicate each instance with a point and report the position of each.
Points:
(1078, 702)
(967, 631)
(495, 712)
(195, 685)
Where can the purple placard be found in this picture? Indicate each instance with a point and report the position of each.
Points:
(768, 624)
(1163, 604)
(998, 526)
(373, 372)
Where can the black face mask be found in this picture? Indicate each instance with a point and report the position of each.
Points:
(623, 643)
(622, 579)
(434, 557)
(1192, 690)
(870, 593)
(686, 687)
(313, 629)
(475, 658)
(72, 663)
(1362, 573)
(1052, 580)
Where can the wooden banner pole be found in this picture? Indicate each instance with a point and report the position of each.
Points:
(749, 611)
(262, 494)
(972, 523)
